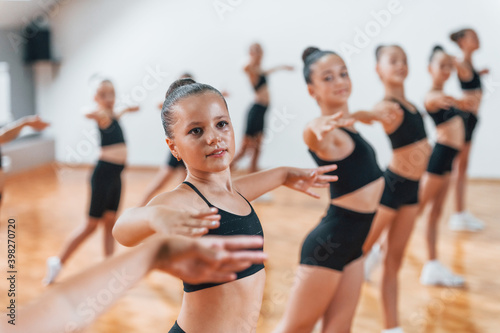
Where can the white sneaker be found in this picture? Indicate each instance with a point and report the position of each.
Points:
(393, 330)
(372, 261)
(53, 269)
(465, 221)
(435, 274)
(473, 223)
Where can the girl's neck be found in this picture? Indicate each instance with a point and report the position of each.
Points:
(468, 56)
(216, 181)
(107, 110)
(439, 86)
(395, 92)
(255, 63)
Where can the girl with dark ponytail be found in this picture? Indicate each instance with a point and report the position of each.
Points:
(399, 204)
(447, 115)
(470, 81)
(330, 273)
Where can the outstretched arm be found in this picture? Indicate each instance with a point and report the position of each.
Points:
(76, 302)
(137, 224)
(254, 185)
(316, 129)
(118, 115)
(278, 68)
(484, 71)
(438, 100)
(384, 112)
(12, 130)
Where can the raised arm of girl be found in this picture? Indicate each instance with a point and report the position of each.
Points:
(278, 68)
(211, 259)
(12, 130)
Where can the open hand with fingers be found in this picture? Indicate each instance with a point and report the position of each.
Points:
(134, 108)
(467, 102)
(387, 112)
(169, 222)
(322, 125)
(484, 71)
(35, 122)
(214, 259)
(445, 102)
(303, 179)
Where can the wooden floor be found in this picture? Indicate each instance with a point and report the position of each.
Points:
(49, 203)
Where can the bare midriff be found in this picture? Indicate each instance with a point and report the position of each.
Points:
(116, 153)
(229, 307)
(411, 161)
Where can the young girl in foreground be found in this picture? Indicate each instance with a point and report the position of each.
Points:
(106, 179)
(328, 280)
(199, 131)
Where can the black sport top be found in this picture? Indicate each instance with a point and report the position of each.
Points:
(443, 115)
(474, 83)
(354, 171)
(112, 134)
(411, 130)
(261, 82)
(230, 225)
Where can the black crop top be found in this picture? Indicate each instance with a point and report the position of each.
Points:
(411, 130)
(443, 115)
(262, 81)
(230, 225)
(354, 171)
(112, 134)
(474, 83)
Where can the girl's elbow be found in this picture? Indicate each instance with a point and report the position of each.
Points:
(120, 237)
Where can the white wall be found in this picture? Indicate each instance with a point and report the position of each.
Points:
(125, 39)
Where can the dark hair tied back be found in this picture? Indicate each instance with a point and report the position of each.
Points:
(310, 56)
(435, 49)
(458, 35)
(178, 90)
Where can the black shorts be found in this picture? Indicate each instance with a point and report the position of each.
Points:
(176, 329)
(470, 122)
(255, 120)
(337, 240)
(173, 163)
(106, 187)
(441, 161)
(399, 191)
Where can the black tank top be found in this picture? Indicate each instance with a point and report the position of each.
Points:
(262, 81)
(112, 134)
(474, 83)
(411, 130)
(443, 115)
(231, 225)
(354, 171)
